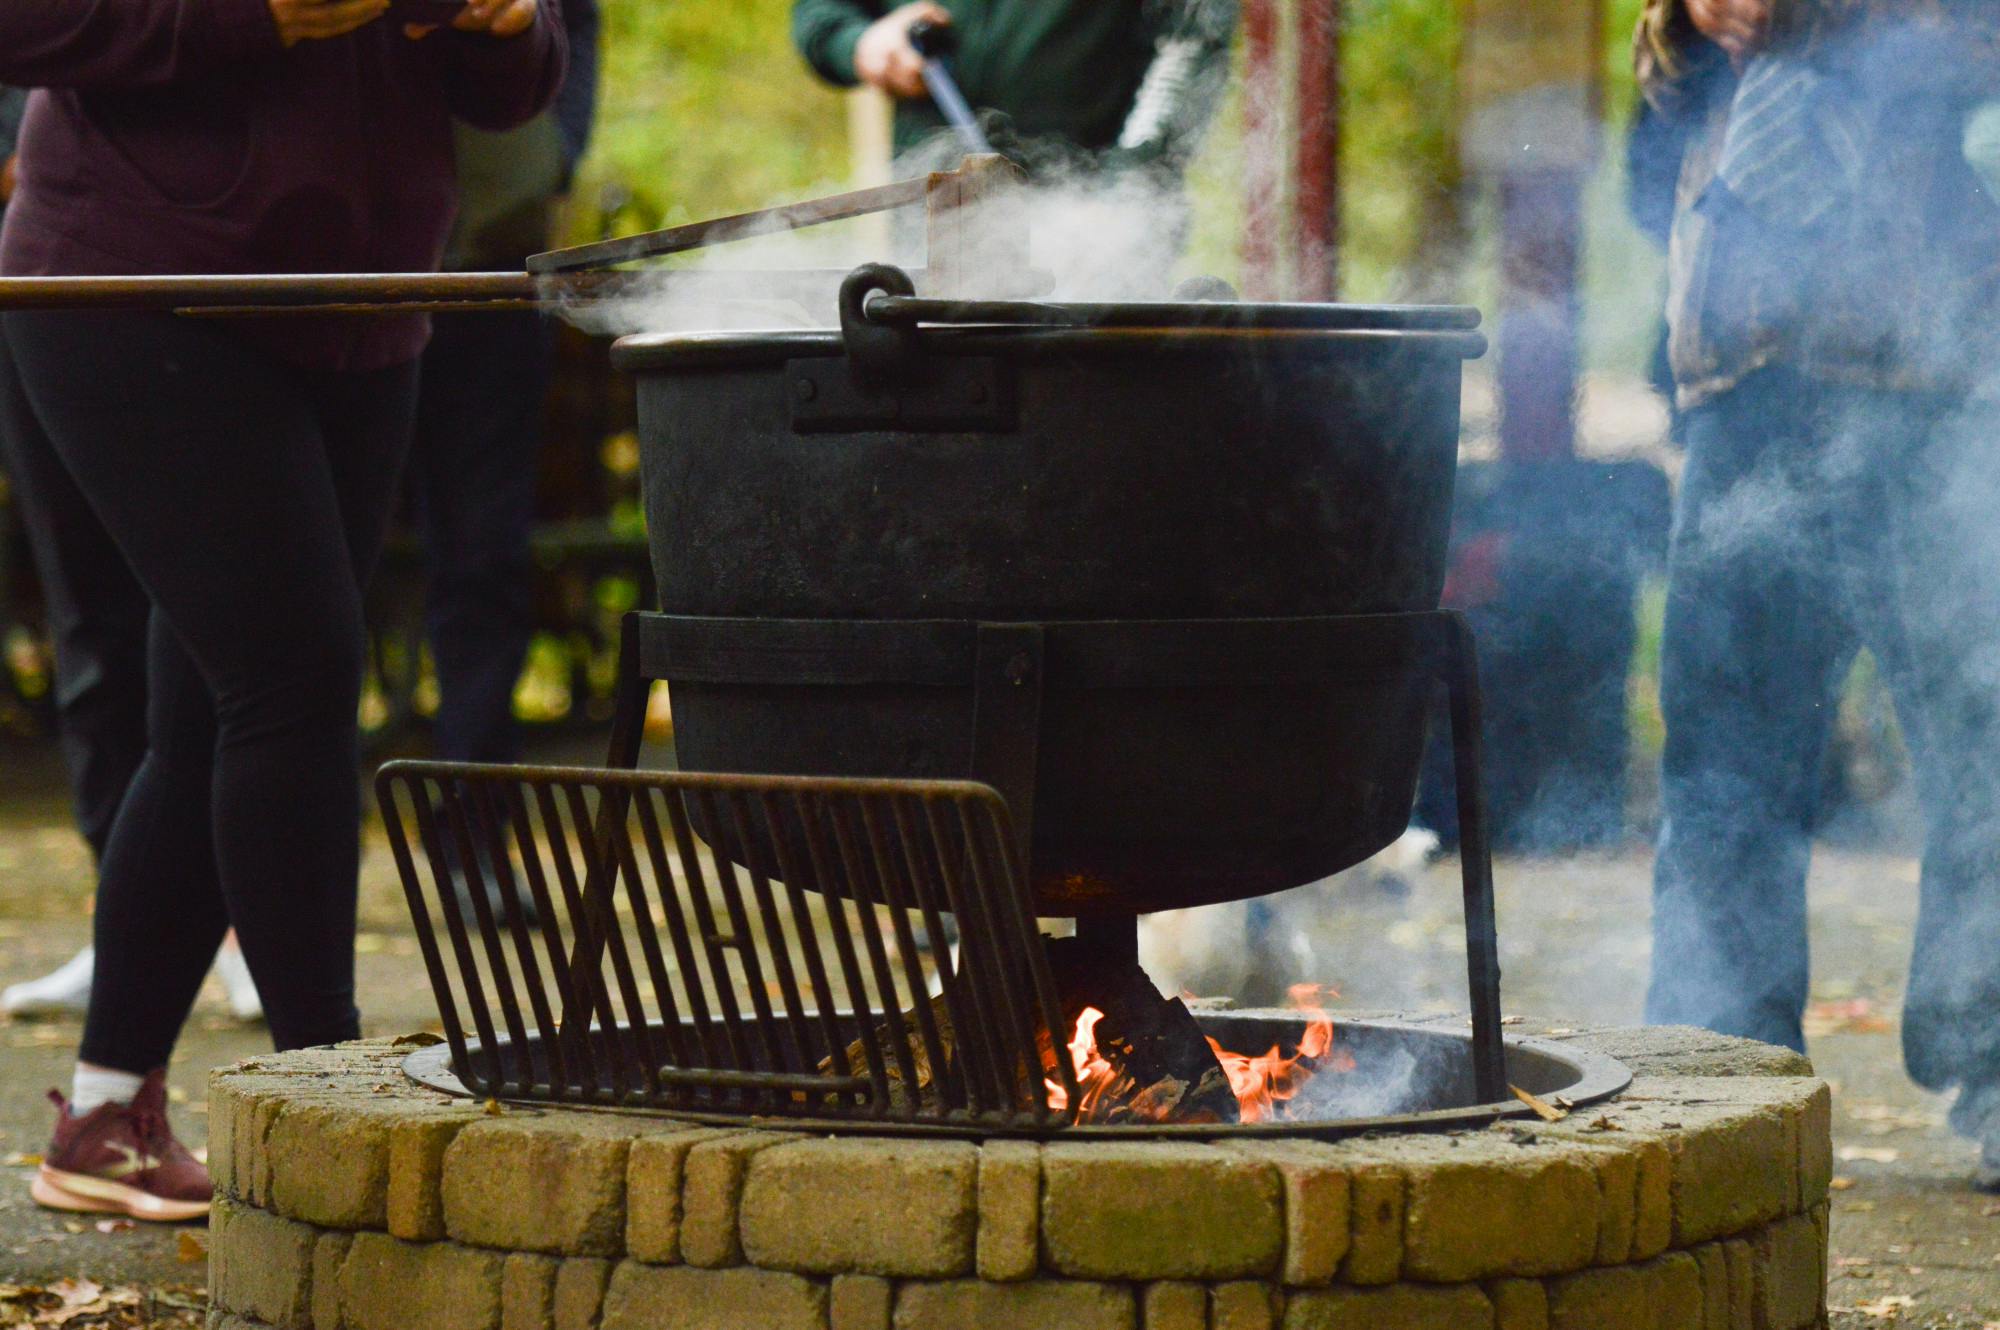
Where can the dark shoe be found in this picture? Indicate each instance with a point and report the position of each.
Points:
(122, 1159)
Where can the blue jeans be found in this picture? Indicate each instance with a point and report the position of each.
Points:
(1814, 520)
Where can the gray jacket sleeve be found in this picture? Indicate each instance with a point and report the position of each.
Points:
(1183, 85)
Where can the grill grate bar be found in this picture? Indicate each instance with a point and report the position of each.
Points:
(728, 944)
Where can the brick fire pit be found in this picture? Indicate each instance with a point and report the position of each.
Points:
(351, 1199)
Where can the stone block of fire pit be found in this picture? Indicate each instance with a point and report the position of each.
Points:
(575, 1170)
(329, 1163)
(833, 1206)
(653, 1172)
(1010, 1204)
(1118, 1210)
(528, 1292)
(1173, 1305)
(1317, 1189)
(1482, 1204)
(711, 1189)
(263, 1267)
(647, 1297)
(1695, 1200)
(1069, 1303)
(1405, 1307)
(1663, 1291)
(579, 1294)
(1375, 1224)
(388, 1284)
(1522, 1304)
(330, 1253)
(414, 1206)
(860, 1302)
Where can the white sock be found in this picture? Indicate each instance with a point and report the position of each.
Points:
(92, 1086)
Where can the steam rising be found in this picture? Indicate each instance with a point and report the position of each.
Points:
(1114, 237)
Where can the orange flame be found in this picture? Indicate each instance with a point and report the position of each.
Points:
(1095, 1076)
(1262, 1083)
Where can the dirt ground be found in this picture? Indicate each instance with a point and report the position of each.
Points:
(1913, 1244)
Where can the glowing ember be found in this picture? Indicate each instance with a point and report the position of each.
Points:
(1263, 1083)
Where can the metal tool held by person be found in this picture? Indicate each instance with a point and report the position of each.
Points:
(933, 41)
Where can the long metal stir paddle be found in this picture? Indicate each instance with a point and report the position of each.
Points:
(934, 41)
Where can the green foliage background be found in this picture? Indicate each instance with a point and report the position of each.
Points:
(706, 109)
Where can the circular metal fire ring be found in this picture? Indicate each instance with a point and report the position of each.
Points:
(1417, 1076)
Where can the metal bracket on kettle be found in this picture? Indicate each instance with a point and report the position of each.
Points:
(886, 381)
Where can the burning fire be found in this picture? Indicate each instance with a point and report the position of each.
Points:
(1262, 1083)
(1094, 1073)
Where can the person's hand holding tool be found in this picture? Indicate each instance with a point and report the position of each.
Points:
(497, 18)
(317, 20)
(1737, 26)
(884, 58)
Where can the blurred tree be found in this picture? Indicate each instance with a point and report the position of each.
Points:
(705, 109)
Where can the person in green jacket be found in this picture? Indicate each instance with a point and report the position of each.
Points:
(1096, 85)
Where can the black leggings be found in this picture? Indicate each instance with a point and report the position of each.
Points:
(250, 499)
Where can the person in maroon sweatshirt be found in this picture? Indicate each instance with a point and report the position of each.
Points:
(245, 470)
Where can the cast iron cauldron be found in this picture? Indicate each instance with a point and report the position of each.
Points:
(1145, 518)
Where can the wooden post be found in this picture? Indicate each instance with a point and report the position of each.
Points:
(1262, 154)
(870, 145)
(1316, 193)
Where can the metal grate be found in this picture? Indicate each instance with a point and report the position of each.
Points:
(766, 946)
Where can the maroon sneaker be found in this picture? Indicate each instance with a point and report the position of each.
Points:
(122, 1159)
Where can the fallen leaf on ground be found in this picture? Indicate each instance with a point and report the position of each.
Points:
(417, 1039)
(20, 1159)
(1544, 1110)
(115, 1225)
(1841, 1183)
(1853, 1260)
(1869, 1154)
(1989, 1211)
(80, 1297)
(1513, 1020)
(73, 1225)
(1845, 1016)
(1603, 1122)
(1881, 1119)
(1887, 1308)
(191, 1248)
(75, 1292)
